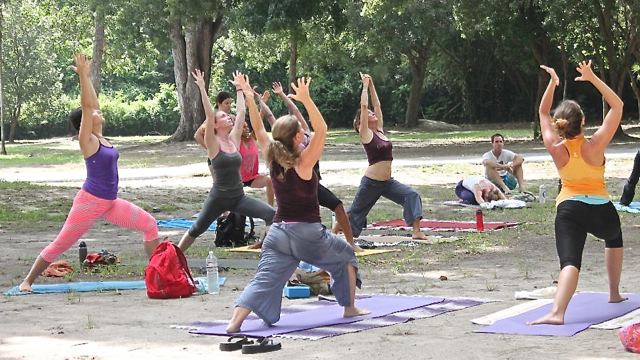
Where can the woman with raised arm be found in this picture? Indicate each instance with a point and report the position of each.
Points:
(223, 103)
(297, 233)
(583, 205)
(98, 198)
(377, 180)
(222, 139)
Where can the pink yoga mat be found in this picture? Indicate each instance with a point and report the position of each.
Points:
(379, 305)
(585, 309)
(437, 224)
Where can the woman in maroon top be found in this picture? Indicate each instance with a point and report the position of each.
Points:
(377, 180)
(297, 233)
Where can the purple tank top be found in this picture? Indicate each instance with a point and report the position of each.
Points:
(297, 198)
(102, 173)
(378, 150)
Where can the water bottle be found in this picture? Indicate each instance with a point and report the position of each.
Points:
(212, 274)
(479, 220)
(333, 220)
(82, 252)
(542, 193)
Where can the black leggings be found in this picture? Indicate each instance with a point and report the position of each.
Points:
(575, 219)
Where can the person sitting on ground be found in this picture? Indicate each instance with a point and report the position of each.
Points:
(629, 189)
(297, 232)
(377, 180)
(503, 167)
(476, 190)
(583, 205)
(98, 199)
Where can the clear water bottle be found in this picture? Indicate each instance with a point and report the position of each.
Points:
(333, 220)
(212, 274)
(542, 194)
(82, 252)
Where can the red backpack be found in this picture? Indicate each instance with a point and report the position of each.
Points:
(168, 275)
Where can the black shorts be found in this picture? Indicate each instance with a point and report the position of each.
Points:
(575, 219)
(248, 183)
(327, 199)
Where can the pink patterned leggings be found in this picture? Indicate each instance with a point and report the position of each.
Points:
(87, 209)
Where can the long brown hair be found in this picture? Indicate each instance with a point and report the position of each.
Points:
(567, 119)
(282, 149)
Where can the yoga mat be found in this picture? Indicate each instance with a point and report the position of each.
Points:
(367, 252)
(449, 225)
(379, 305)
(448, 305)
(633, 208)
(505, 204)
(394, 239)
(183, 224)
(585, 309)
(88, 286)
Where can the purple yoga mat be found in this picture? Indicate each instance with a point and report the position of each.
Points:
(379, 305)
(585, 309)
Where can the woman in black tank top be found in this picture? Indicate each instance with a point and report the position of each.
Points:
(297, 235)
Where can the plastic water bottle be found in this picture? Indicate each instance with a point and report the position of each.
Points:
(542, 193)
(82, 252)
(479, 220)
(333, 220)
(212, 274)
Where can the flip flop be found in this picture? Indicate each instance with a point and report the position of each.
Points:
(264, 345)
(231, 345)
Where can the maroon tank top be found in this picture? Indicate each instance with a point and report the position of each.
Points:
(378, 150)
(297, 198)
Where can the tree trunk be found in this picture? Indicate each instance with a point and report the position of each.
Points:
(15, 115)
(98, 49)
(635, 88)
(293, 62)
(418, 65)
(3, 151)
(191, 50)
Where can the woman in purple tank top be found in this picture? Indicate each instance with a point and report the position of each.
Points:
(297, 233)
(98, 198)
(377, 180)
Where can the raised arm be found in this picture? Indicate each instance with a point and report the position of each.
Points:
(549, 135)
(311, 154)
(264, 109)
(602, 137)
(363, 129)
(254, 116)
(88, 142)
(238, 125)
(293, 109)
(210, 140)
(376, 104)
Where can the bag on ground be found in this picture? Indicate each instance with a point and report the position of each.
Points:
(168, 275)
(230, 230)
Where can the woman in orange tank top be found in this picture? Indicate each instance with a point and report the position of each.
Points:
(583, 205)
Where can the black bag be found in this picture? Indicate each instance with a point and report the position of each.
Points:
(230, 230)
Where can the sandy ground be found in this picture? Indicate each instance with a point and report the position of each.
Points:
(128, 325)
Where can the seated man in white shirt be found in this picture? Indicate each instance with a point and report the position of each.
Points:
(503, 167)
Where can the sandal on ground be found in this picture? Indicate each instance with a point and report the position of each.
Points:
(264, 345)
(231, 345)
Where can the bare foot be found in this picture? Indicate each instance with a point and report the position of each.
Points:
(548, 319)
(352, 311)
(420, 236)
(25, 287)
(233, 327)
(617, 298)
(507, 192)
(257, 245)
(357, 248)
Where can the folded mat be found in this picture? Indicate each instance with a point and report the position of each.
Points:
(505, 204)
(633, 208)
(585, 309)
(449, 304)
(379, 305)
(442, 225)
(364, 253)
(94, 286)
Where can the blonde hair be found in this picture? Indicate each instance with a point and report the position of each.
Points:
(493, 195)
(282, 149)
(567, 119)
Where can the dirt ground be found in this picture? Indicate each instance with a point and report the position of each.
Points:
(128, 325)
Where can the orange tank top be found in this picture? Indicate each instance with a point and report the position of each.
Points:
(578, 177)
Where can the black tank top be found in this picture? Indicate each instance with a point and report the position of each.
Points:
(297, 198)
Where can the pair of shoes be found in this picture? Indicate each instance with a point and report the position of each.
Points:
(628, 192)
(263, 345)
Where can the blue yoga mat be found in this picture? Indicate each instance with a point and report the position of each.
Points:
(379, 305)
(97, 286)
(183, 224)
(585, 309)
(633, 208)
